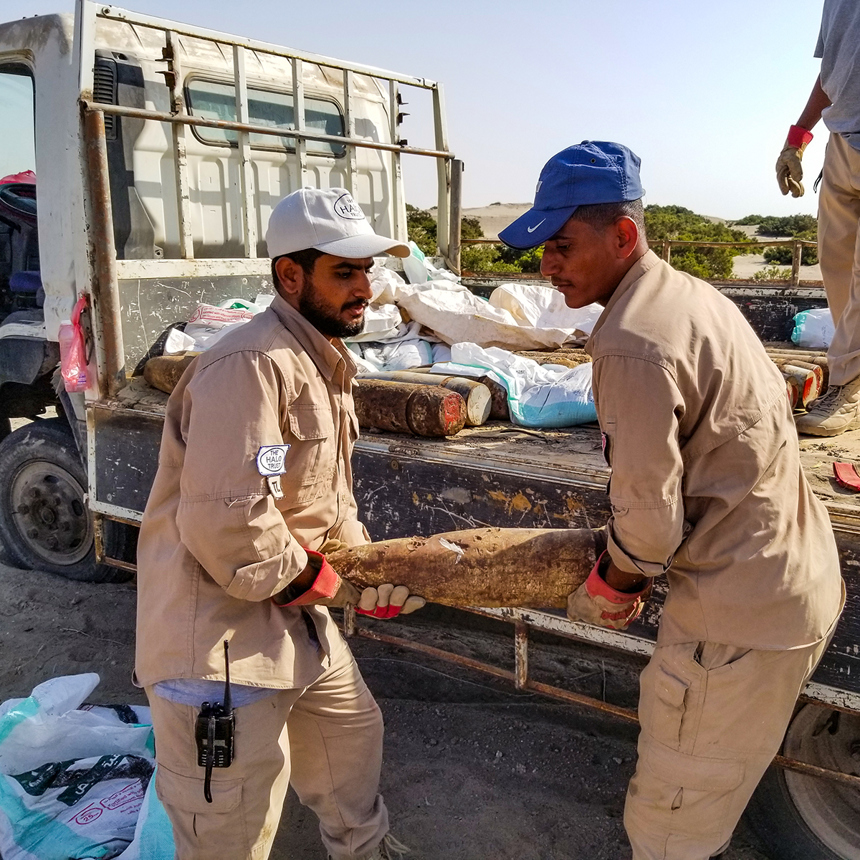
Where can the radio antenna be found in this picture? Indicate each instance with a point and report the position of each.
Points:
(228, 704)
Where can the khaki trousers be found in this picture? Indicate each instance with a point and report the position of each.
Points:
(839, 252)
(325, 740)
(713, 717)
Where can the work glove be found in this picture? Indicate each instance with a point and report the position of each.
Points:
(329, 589)
(387, 601)
(595, 602)
(789, 171)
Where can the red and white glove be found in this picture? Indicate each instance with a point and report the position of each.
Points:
(789, 171)
(596, 602)
(388, 601)
(329, 589)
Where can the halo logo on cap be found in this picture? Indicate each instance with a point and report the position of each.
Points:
(347, 208)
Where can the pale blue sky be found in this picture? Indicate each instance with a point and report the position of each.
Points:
(703, 92)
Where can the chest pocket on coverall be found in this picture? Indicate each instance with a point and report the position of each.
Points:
(312, 456)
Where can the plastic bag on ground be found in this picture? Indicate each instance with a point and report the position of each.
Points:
(78, 783)
(548, 395)
(813, 329)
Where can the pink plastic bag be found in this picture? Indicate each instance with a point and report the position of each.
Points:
(73, 353)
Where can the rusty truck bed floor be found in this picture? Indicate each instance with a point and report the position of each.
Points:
(574, 451)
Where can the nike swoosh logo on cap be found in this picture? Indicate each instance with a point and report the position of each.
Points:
(532, 229)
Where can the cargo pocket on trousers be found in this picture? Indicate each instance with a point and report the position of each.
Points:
(185, 793)
(695, 791)
(670, 693)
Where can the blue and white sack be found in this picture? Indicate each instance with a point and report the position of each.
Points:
(78, 782)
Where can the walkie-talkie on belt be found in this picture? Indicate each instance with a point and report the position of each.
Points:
(214, 731)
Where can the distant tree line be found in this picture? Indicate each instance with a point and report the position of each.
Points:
(661, 222)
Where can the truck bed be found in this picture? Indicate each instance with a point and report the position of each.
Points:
(498, 474)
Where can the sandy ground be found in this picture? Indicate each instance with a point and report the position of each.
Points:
(473, 769)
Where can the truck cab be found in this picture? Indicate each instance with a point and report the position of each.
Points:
(144, 161)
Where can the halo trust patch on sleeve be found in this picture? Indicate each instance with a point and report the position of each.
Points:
(271, 459)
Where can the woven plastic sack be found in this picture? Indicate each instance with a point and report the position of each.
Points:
(78, 782)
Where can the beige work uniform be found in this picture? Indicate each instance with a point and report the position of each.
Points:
(707, 487)
(215, 545)
(839, 253)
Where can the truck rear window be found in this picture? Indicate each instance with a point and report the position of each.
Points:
(217, 100)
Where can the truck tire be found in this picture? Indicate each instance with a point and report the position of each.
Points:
(44, 520)
(802, 817)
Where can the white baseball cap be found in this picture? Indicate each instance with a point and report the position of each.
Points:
(328, 220)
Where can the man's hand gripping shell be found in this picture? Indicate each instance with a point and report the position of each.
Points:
(328, 589)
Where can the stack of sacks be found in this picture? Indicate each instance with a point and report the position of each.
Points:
(387, 341)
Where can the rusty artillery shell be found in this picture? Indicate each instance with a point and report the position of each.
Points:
(810, 385)
(164, 371)
(792, 389)
(488, 567)
(400, 407)
(477, 396)
(803, 359)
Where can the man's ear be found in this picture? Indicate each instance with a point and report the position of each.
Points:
(626, 237)
(290, 276)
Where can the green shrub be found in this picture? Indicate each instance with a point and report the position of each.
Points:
(677, 222)
(788, 225)
(772, 273)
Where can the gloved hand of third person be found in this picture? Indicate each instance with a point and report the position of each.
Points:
(789, 171)
(320, 585)
(596, 602)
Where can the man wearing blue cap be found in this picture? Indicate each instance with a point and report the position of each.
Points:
(706, 488)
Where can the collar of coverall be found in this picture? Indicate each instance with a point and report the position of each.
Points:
(326, 354)
(646, 262)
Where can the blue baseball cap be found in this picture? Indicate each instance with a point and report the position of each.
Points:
(594, 171)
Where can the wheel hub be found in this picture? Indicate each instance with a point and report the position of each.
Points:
(51, 513)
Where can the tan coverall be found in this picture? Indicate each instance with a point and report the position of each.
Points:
(215, 545)
(839, 253)
(707, 488)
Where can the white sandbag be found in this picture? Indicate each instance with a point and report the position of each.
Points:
(414, 267)
(456, 315)
(208, 324)
(381, 322)
(541, 306)
(813, 329)
(78, 783)
(47, 727)
(384, 283)
(401, 355)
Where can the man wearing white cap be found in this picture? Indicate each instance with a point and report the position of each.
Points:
(254, 480)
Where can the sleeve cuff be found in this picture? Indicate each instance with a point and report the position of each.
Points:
(627, 563)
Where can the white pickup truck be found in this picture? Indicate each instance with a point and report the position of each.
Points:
(160, 150)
